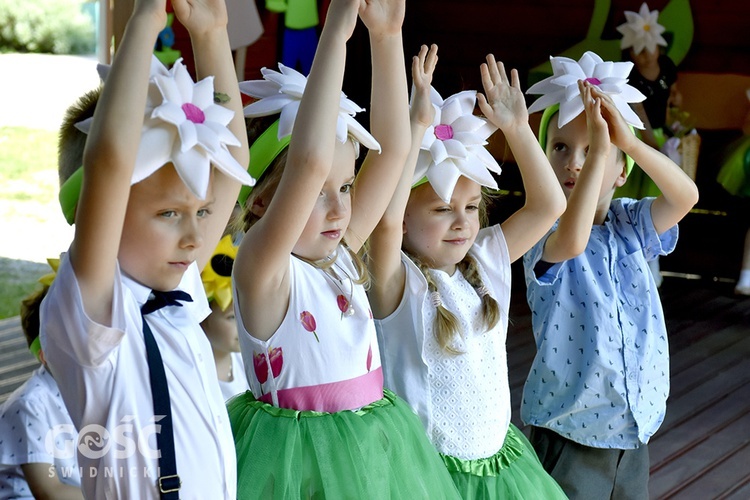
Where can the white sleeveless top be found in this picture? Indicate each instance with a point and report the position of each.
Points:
(321, 357)
(463, 400)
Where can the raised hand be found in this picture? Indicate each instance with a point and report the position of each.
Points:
(599, 141)
(502, 102)
(383, 17)
(619, 131)
(201, 16)
(422, 69)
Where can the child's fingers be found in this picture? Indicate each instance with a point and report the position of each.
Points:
(487, 82)
(484, 106)
(432, 59)
(514, 79)
(494, 72)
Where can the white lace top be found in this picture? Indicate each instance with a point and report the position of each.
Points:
(463, 400)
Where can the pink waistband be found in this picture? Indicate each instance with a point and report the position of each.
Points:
(332, 397)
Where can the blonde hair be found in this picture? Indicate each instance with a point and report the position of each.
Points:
(264, 190)
(446, 323)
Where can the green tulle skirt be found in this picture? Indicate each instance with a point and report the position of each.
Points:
(734, 174)
(514, 472)
(378, 452)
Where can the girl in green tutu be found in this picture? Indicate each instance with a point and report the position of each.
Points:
(318, 423)
(734, 176)
(441, 285)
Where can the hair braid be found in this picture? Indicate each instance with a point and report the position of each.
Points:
(490, 309)
(446, 323)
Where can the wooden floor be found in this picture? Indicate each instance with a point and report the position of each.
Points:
(702, 450)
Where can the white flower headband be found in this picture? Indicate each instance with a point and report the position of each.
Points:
(562, 87)
(282, 92)
(641, 30)
(184, 126)
(454, 146)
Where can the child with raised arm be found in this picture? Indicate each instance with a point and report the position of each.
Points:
(598, 385)
(36, 433)
(120, 325)
(322, 426)
(441, 284)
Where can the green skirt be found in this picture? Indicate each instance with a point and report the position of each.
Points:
(378, 452)
(514, 472)
(734, 174)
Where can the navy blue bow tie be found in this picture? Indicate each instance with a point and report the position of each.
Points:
(164, 299)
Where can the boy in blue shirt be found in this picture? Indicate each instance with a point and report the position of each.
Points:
(598, 385)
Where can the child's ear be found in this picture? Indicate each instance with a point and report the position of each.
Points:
(622, 177)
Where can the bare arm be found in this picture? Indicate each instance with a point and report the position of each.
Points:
(505, 107)
(44, 483)
(679, 192)
(575, 225)
(384, 255)
(109, 159)
(262, 264)
(389, 119)
(213, 57)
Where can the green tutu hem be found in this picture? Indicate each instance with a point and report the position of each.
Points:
(513, 472)
(377, 452)
(734, 175)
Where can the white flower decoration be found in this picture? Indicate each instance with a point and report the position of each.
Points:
(641, 30)
(184, 126)
(282, 92)
(454, 146)
(562, 87)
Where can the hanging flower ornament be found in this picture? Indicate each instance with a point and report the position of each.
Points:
(281, 92)
(217, 275)
(183, 125)
(562, 87)
(454, 145)
(641, 30)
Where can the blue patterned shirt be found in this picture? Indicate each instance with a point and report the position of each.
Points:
(601, 373)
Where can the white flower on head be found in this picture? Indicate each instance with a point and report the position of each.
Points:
(184, 126)
(562, 87)
(282, 92)
(189, 130)
(641, 30)
(454, 145)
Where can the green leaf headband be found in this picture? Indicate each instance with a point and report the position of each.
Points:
(544, 125)
(262, 153)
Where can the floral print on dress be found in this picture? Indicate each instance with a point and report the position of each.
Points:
(343, 304)
(260, 365)
(308, 322)
(276, 358)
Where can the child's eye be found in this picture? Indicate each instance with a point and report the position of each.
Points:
(472, 207)
(443, 209)
(203, 212)
(346, 188)
(559, 147)
(168, 214)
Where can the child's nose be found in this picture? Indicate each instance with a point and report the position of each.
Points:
(575, 162)
(192, 235)
(336, 207)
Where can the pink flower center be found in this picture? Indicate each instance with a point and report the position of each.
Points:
(193, 113)
(444, 132)
(593, 81)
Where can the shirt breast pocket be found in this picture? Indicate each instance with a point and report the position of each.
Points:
(633, 279)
